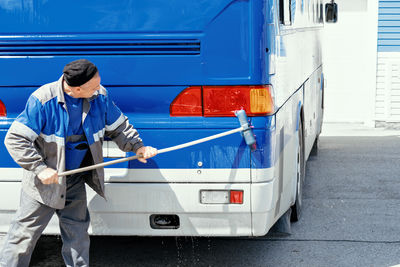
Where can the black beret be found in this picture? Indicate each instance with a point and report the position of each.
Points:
(79, 72)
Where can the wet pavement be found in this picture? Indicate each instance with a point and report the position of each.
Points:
(351, 217)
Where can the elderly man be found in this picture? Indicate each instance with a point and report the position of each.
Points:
(62, 128)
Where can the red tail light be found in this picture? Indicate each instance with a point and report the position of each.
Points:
(223, 101)
(236, 197)
(187, 103)
(3, 111)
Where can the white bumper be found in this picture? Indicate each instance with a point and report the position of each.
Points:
(129, 206)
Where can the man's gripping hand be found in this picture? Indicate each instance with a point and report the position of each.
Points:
(48, 176)
(146, 152)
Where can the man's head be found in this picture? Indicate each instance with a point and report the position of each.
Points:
(81, 78)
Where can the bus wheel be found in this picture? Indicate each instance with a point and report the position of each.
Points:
(300, 166)
(314, 149)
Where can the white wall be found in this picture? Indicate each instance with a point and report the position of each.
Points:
(350, 49)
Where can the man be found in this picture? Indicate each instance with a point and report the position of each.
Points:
(62, 128)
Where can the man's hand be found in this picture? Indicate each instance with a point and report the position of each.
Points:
(146, 152)
(48, 176)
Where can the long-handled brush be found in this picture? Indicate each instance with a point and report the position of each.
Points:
(244, 128)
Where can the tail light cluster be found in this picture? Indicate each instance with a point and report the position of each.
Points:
(3, 111)
(223, 101)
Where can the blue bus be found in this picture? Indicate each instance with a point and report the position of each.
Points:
(178, 69)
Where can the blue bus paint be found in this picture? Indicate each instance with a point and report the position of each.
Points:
(226, 54)
(264, 157)
(6, 160)
(227, 152)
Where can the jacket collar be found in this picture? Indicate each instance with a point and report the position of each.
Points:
(60, 92)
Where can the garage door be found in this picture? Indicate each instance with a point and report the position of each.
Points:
(387, 108)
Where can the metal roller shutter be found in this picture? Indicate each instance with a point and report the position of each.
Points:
(387, 100)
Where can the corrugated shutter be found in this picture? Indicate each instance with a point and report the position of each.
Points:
(387, 101)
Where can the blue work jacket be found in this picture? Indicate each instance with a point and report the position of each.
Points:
(36, 139)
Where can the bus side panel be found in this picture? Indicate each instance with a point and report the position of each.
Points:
(312, 109)
(279, 182)
(296, 61)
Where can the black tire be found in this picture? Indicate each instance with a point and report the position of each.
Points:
(300, 166)
(314, 149)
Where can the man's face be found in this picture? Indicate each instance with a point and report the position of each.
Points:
(88, 89)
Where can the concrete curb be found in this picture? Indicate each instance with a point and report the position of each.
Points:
(355, 129)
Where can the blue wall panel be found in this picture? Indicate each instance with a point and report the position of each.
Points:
(389, 26)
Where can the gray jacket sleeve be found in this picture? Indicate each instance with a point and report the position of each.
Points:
(20, 138)
(125, 136)
(119, 129)
(19, 142)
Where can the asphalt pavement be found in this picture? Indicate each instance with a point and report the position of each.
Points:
(351, 217)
